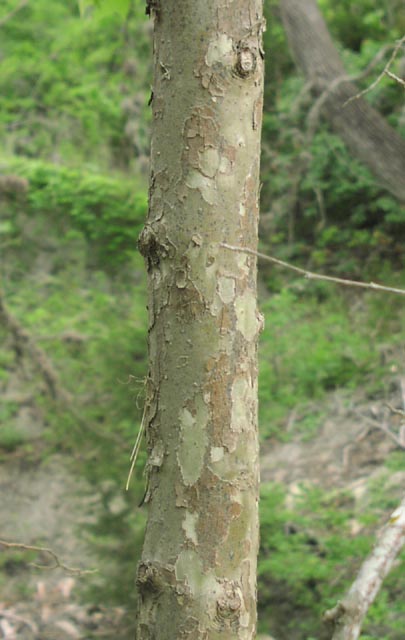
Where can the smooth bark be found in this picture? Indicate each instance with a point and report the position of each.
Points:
(197, 575)
(364, 130)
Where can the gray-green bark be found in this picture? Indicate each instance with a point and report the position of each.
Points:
(197, 576)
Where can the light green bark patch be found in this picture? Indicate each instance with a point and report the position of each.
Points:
(233, 135)
(191, 451)
(242, 261)
(217, 453)
(157, 454)
(241, 394)
(226, 289)
(246, 321)
(209, 162)
(222, 467)
(220, 50)
(206, 186)
(225, 165)
(189, 526)
(189, 568)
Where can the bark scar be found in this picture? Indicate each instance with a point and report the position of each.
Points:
(246, 60)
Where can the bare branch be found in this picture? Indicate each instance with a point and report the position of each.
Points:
(396, 78)
(313, 117)
(310, 275)
(347, 616)
(57, 562)
(383, 427)
(9, 615)
(384, 72)
(12, 13)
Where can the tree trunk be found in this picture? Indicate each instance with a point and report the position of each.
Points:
(197, 576)
(363, 129)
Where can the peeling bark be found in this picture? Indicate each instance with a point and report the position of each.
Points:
(363, 129)
(197, 576)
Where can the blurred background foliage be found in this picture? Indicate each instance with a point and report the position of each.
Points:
(74, 132)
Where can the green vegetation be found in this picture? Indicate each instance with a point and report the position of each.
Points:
(74, 133)
(107, 213)
(311, 555)
(73, 91)
(305, 356)
(320, 206)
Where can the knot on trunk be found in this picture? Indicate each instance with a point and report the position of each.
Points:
(246, 61)
(229, 605)
(151, 246)
(153, 577)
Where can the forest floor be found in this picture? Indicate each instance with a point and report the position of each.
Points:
(353, 441)
(44, 501)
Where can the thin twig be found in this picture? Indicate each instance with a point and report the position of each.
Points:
(314, 113)
(149, 397)
(310, 275)
(12, 13)
(382, 74)
(57, 562)
(136, 447)
(383, 427)
(396, 78)
(397, 412)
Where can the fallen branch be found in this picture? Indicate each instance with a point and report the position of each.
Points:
(57, 562)
(6, 614)
(347, 616)
(310, 275)
(374, 424)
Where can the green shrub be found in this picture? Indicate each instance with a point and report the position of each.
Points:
(108, 212)
(64, 83)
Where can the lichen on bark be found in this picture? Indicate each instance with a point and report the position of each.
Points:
(197, 576)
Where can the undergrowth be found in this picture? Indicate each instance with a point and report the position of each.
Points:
(309, 348)
(74, 127)
(308, 559)
(86, 308)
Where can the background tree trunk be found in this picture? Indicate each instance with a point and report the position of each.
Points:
(197, 576)
(363, 129)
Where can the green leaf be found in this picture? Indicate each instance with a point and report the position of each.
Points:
(114, 6)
